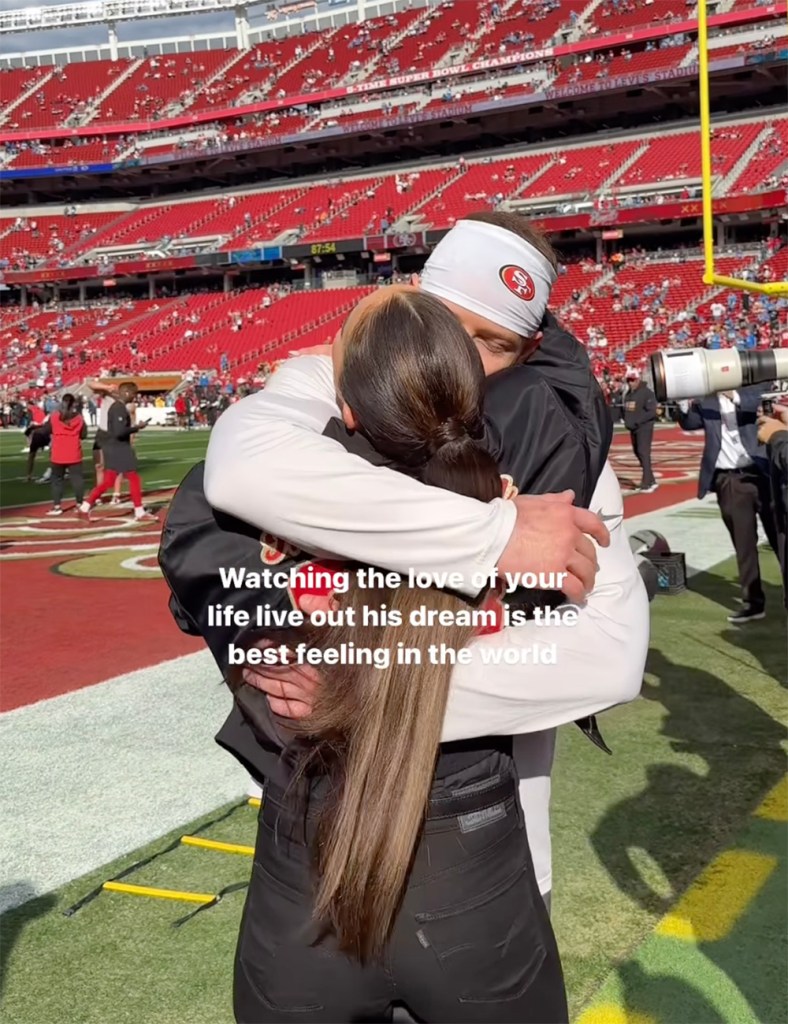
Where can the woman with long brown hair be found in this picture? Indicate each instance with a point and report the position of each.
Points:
(394, 868)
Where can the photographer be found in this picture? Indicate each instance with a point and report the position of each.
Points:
(773, 432)
(733, 467)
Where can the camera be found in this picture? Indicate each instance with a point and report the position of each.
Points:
(767, 403)
(695, 372)
(772, 398)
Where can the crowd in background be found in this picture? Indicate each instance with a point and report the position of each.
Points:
(37, 360)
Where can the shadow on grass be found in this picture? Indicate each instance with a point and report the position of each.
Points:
(13, 922)
(757, 638)
(685, 816)
(661, 996)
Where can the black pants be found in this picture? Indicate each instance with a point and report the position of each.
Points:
(744, 495)
(76, 479)
(38, 443)
(641, 446)
(472, 942)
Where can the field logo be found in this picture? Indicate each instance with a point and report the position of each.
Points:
(518, 281)
(113, 545)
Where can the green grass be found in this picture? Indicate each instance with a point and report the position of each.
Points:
(692, 759)
(690, 762)
(164, 458)
(740, 978)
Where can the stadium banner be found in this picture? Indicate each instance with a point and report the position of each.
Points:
(597, 85)
(435, 74)
(48, 172)
(154, 266)
(191, 119)
(52, 274)
(273, 141)
(660, 211)
(99, 270)
(596, 219)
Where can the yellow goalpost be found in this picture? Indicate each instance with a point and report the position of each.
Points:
(710, 275)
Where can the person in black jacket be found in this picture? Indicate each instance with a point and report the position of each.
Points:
(547, 423)
(640, 414)
(40, 438)
(118, 453)
(773, 432)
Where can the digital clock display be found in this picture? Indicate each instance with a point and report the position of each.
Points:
(323, 249)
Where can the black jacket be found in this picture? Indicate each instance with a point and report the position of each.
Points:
(116, 445)
(547, 438)
(777, 450)
(640, 407)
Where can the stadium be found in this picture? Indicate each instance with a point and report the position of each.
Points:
(194, 192)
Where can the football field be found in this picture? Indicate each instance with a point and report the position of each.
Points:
(669, 856)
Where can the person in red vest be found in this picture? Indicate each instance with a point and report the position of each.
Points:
(181, 411)
(68, 430)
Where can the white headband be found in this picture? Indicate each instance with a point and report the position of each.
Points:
(493, 272)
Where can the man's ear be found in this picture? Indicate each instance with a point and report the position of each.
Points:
(530, 345)
(415, 280)
(349, 417)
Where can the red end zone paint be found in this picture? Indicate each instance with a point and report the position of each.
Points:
(66, 622)
(60, 635)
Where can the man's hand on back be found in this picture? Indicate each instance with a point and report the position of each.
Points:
(290, 688)
(551, 535)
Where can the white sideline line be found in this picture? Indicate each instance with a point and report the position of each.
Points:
(27, 555)
(91, 775)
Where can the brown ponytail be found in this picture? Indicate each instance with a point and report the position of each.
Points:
(414, 381)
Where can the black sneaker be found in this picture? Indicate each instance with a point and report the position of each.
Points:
(747, 613)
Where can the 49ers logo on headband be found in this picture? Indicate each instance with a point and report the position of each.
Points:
(518, 281)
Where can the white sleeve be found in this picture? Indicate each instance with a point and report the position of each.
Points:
(269, 464)
(598, 662)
